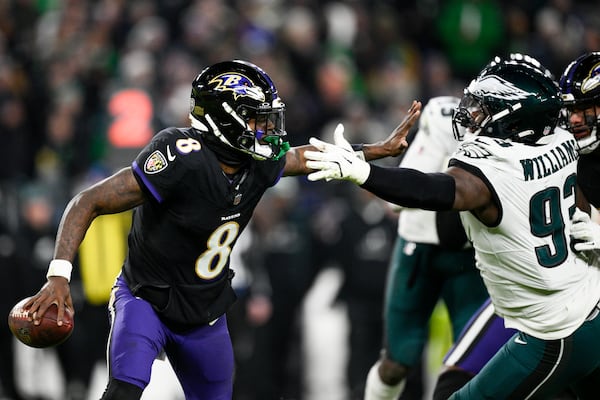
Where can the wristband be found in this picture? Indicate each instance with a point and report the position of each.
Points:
(60, 268)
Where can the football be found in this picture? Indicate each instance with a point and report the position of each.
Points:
(47, 333)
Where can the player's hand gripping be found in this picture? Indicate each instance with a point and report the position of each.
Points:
(585, 236)
(336, 161)
(57, 291)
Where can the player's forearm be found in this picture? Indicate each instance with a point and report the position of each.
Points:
(375, 151)
(118, 193)
(412, 188)
(75, 222)
(295, 164)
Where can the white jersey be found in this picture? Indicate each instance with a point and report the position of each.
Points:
(534, 280)
(429, 152)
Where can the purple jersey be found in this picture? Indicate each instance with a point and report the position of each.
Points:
(182, 236)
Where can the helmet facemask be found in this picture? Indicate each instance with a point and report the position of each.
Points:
(264, 133)
(470, 116)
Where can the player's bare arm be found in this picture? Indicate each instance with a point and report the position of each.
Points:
(471, 193)
(295, 161)
(394, 145)
(117, 193)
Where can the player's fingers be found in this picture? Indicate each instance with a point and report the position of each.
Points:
(580, 216)
(316, 156)
(319, 165)
(411, 118)
(38, 307)
(578, 228)
(69, 304)
(319, 175)
(60, 314)
(43, 307)
(31, 303)
(583, 246)
(415, 110)
(339, 139)
(415, 107)
(582, 234)
(319, 144)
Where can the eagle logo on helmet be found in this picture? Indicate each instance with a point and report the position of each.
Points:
(593, 81)
(498, 87)
(240, 85)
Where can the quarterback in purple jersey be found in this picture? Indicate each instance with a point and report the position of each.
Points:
(193, 191)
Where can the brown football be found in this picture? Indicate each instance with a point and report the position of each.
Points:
(47, 333)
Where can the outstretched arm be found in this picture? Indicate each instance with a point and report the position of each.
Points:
(455, 189)
(394, 145)
(117, 193)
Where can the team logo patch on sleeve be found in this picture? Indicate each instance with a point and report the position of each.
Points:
(155, 163)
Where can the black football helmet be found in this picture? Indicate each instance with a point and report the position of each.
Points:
(580, 87)
(236, 106)
(509, 99)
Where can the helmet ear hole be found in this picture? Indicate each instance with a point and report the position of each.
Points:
(246, 141)
(244, 113)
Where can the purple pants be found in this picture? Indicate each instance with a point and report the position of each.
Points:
(202, 358)
(481, 338)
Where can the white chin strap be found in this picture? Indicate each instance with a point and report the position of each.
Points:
(261, 151)
(197, 124)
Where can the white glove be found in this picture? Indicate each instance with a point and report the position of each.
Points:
(585, 234)
(336, 161)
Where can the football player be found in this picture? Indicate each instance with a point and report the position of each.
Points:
(193, 191)
(515, 184)
(580, 87)
(485, 333)
(432, 260)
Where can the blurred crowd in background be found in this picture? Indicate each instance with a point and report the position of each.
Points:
(84, 84)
